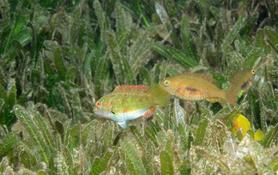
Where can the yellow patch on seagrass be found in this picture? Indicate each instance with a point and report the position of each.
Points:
(258, 135)
(241, 125)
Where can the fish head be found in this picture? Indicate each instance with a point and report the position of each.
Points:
(182, 86)
(247, 77)
(103, 108)
(240, 82)
(171, 84)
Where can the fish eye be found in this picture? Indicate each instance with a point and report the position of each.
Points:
(166, 82)
(253, 71)
(98, 104)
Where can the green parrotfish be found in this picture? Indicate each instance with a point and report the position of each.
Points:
(130, 102)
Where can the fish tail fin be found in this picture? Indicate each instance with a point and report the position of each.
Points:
(160, 96)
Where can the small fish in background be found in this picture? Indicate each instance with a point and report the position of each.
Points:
(240, 83)
(194, 86)
(130, 102)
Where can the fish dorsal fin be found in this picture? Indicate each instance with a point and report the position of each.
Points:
(131, 88)
(202, 75)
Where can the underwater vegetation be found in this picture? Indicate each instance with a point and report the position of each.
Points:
(58, 58)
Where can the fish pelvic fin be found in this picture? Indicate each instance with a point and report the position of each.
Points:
(123, 124)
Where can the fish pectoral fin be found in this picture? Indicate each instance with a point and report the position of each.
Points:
(123, 124)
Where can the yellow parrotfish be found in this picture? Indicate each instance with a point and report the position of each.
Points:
(194, 86)
(201, 86)
(130, 102)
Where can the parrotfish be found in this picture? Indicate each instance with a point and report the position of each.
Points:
(201, 86)
(130, 102)
(194, 86)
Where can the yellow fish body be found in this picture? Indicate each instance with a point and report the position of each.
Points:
(200, 86)
(194, 86)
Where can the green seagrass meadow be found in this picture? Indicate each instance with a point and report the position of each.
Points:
(58, 57)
